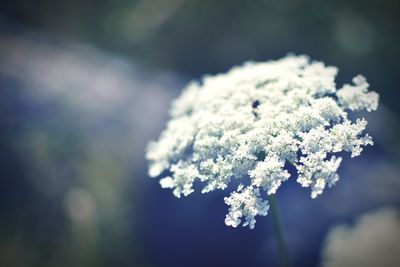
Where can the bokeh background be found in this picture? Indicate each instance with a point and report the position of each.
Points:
(85, 85)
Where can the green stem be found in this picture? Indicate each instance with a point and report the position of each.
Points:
(283, 252)
(292, 163)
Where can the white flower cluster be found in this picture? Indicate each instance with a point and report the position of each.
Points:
(252, 123)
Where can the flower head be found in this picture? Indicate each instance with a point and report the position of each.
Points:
(253, 121)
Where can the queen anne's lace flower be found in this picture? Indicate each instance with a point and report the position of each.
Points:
(252, 123)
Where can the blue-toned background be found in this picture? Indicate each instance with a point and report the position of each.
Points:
(85, 85)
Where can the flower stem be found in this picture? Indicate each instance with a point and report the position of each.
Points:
(283, 252)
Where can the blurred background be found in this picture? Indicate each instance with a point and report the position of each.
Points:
(85, 85)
